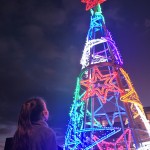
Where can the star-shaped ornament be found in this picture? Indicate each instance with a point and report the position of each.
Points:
(100, 85)
(92, 3)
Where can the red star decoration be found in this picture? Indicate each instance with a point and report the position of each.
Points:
(92, 3)
(100, 85)
(118, 142)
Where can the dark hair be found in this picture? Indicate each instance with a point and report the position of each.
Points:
(31, 111)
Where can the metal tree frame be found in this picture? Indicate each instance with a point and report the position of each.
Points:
(106, 113)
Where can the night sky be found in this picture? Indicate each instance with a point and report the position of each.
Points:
(41, 44)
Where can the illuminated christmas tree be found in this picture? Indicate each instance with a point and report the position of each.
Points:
(106, 113)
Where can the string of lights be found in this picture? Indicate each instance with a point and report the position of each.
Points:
(106, 113)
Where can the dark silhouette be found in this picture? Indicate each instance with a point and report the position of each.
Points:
(9, 143)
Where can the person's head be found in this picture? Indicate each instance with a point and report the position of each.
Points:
(32, 110)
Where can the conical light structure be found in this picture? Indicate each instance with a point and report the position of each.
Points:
(106, 113)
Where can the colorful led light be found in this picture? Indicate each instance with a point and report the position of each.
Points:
(95, 87)
(117, 144)
(131, 96)
(92, 3)
(104, 39)
(86, 52)
(143, 117)
(102, 81)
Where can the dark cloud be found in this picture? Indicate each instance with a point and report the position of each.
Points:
(147, 23)
(50, 18)
(7, 129)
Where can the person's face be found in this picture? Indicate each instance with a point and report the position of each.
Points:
(45, 112)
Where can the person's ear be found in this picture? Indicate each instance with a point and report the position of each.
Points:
(45, 114)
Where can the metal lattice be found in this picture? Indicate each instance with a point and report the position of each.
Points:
(106, 113)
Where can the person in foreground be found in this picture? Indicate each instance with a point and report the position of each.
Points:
(33, 132)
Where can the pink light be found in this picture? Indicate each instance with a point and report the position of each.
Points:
(109, 145)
